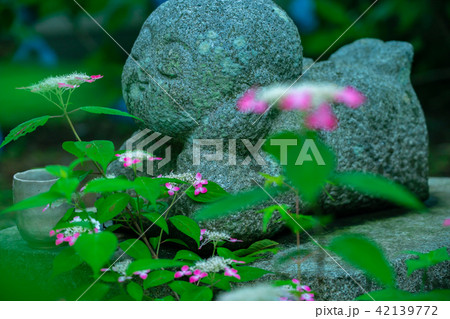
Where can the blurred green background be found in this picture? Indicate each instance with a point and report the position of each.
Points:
(52, 37)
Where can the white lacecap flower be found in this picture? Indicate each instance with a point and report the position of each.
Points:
(185, 177)
(216, 236)
(122, 266)
(70, 231)
(261, 292)
(52, 83)
(212, 265)
(138, 154)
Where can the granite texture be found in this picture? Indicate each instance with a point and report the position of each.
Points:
(395, 232)
(205, 54)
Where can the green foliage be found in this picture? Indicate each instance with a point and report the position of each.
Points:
(378, 186)
(306, 161)
(148, 188)
(104, 185)
(401, 295)
(152, 264)
(190, 292)
(187, 226)
(111, 206)
(25, 128)
(158, 220)
(158, 278)
(427, 260)
(259, 247)
(66, 260)
(186, 255)
(135, 291)
(135, 248)
(105, 110)
(215, 192)
(101, 152)
(96, 249)
(269, 211)
(365, 255)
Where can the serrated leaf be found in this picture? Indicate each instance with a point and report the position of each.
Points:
(187, 226)
(135, 291)
(152, 264)
(378, 186)
(186, 255)
(215, 192)
(65, 261)
(101, 152)
(111, 206)
(25, 128)
(306, 161)
(158, 278)
(158, 220)
(427, 260)
(200, 293)
(256, 247)
(148, 188)
(108, 185)
(364, 254)
(136, 249)
(96, 249)
(105, 110)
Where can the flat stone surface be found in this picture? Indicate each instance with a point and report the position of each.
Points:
(394, 230)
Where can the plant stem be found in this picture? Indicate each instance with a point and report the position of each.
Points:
(72, 127)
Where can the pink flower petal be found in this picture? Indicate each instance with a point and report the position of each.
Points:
(296, 101)
(296, 281)
(322, 119)
(52, 233)
(45, 208)
(350, 97)
(447, 222)
(96, 77)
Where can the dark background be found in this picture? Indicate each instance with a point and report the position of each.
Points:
(52, 37)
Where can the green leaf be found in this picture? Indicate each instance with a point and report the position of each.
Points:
(401, 295)
(136, 249)
(66, 260)
(58, 170)
(364, 254)
(181, 287)
(219, 281)
(201, 293)
(25, 128)
(96, 249)
(91, 292)
(427, 260)
(226, 253)
(379, 186)
(269, 211)
(71, 148)
(111, 206)
(186, 255)
(298, 223)
(249, 273)
(158, 278)
(306, 161)
(259, 246)
(215, 192)
(152, 264)
(148, 188)
(135, 291)
(176, 241)
(237, 202)
(40, 200)
(187, 226)
(101, 152)
(105, 110)
(108, 185)
(65, 187)
(272, 180)
(158, 220)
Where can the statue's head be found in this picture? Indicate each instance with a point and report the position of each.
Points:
(194, 56)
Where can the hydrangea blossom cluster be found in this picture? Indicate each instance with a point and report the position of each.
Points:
(202, 268)
(208, 236)
(134, 157)
(197, 181)
(305, 291)
(71, 234)
(314, 100)
(121, 268)
(68, 81)
(199, 184)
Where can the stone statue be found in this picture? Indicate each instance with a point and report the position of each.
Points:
(194, 58)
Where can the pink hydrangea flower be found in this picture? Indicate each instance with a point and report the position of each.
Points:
(300, 100)
(123, 278)
(447, 222)
(199, 180)
(52, 233)
(234, 240)
(200, 190)
(249, 104)
(96, 77)
(322, 118)
(142, 273)
(129, 161)
(72, 239)
(198, 274)
(238, 261)
(230, 272)
(65, 85)
(152, 158)
(184, 272)
(296, 281)
(202, 232)
(350, 97)
(172, 189)
(59, 239)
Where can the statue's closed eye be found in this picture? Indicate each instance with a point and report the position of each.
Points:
(174, 57)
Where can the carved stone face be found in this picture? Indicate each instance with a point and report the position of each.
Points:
(195, 56)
